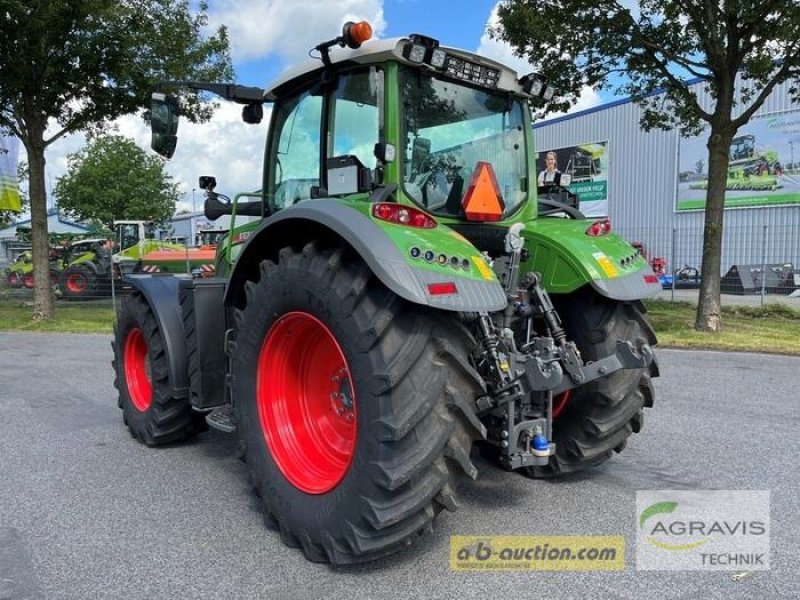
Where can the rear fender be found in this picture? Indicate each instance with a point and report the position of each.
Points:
(568, 258)
(385, 248)
(161, 293)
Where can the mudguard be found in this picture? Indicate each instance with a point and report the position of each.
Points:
(568, 258)
(161, 293)
(386, 250)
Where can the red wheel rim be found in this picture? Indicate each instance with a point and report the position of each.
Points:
(76, 283)
(560, 403)
(137, 370)
(306, 403)
(27, 281)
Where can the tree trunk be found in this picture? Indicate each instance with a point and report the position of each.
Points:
(708, 303)
(43, 306)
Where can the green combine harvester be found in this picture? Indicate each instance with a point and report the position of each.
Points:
(404, 296)
(749, 169)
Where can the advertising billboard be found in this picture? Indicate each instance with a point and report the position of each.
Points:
(588, 166)
(9, 187)
(762, 169)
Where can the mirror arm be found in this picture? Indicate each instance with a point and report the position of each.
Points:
(240, 94)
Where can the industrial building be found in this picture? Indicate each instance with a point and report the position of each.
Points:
(650, 184)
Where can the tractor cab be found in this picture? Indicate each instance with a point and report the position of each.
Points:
(441, 130)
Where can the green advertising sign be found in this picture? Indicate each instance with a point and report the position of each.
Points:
(763, 170)
(9, 189)
(587, 165)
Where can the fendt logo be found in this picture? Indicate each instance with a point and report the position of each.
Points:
(702, 529)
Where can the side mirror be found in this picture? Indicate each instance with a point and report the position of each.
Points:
(164, 118)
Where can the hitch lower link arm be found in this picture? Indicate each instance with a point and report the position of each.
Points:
(553, 356)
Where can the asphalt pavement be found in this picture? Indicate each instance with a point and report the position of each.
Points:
(87, 512)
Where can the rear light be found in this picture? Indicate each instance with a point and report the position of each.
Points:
(599, 228)
(441, 289)
(402, 215)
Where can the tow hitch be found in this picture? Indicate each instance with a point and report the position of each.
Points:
(518, 409)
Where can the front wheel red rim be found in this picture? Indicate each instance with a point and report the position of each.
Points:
(306, 403)
(137, 370)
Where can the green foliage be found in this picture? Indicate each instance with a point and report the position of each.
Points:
(658, 46)
(642, 48)
(86, 62)
(114, 179)
(78, 65)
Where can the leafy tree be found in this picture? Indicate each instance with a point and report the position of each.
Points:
(77, 65)
(114, 179)
(739, 49)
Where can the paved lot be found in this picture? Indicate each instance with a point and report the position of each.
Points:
(86, 512)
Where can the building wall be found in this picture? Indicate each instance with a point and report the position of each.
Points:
(643, 178)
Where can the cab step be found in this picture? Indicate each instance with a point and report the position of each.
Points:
(222, 418)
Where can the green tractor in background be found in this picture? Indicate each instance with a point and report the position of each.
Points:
(90, 264)
(403, 297)
(19, 273)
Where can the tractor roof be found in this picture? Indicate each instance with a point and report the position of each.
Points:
(379, 51)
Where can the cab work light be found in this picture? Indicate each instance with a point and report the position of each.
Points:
(421, 49)
(536, 85)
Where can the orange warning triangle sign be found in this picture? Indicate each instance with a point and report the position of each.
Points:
(483, 200)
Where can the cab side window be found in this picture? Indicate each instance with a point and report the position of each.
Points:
(354, 123)
(295, 164)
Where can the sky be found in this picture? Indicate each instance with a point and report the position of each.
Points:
(267, 37)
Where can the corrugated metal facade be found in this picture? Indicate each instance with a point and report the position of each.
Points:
(642, 186)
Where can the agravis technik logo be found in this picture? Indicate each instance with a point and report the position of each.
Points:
(717, 530)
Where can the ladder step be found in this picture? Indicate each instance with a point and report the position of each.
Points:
(222, 418)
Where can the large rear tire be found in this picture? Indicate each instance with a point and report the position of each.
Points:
(152, 413)
(353, 406)
(593, 421)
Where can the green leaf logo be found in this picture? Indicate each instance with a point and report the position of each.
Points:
(660, 508)
(656, 509)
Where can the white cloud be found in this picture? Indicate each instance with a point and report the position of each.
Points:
(503, 53)
(225, 147)
(289, 28)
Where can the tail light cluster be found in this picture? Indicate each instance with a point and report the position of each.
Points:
(599, 228)
(400, 214)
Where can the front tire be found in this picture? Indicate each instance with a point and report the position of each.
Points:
(353, 406)
(152, 413)
(592, 422)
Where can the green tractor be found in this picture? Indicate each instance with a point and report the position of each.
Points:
(403, 298)
(90, 264)
(19, 273)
